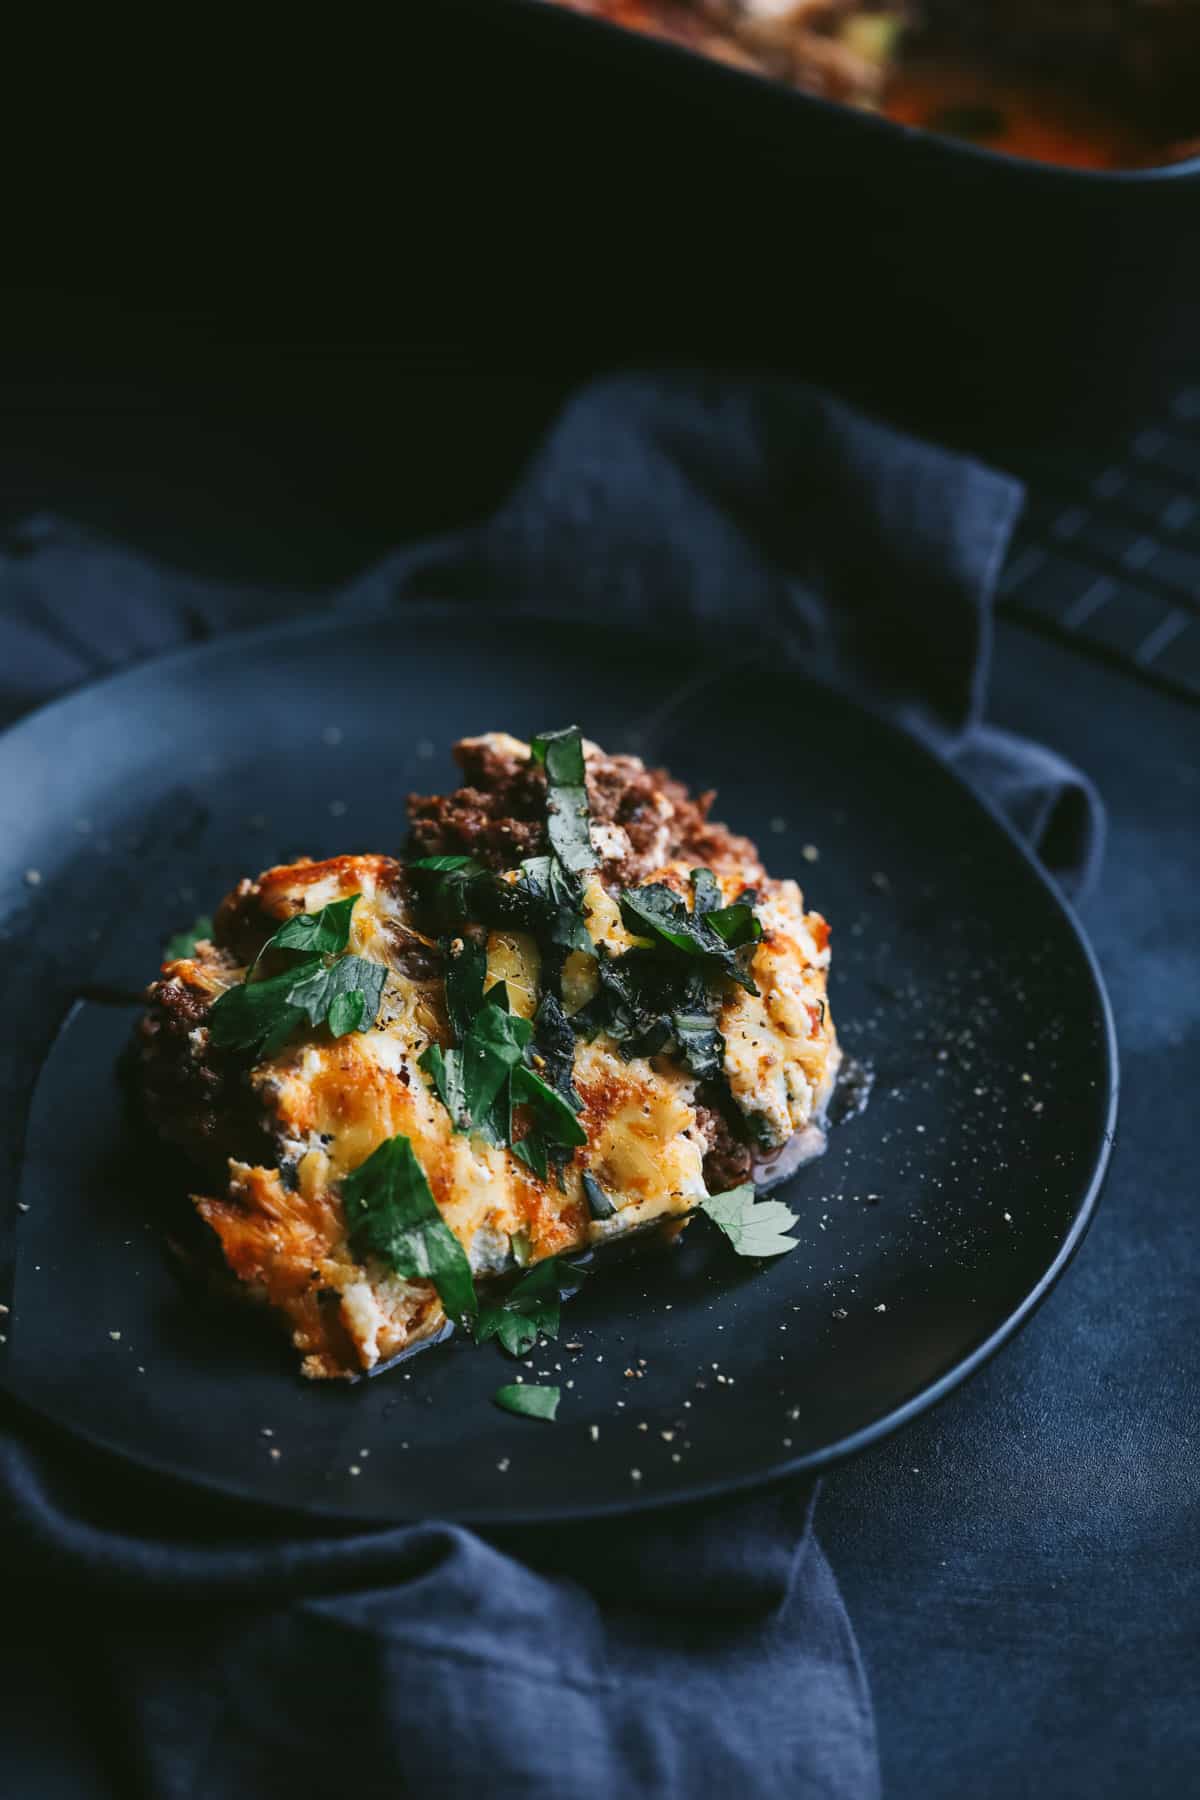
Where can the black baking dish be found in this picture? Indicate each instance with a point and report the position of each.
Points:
(715, 213)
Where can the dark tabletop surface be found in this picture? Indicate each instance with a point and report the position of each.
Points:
(1020, 1566)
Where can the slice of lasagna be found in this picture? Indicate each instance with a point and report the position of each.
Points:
(576, 1009)
(840, 49)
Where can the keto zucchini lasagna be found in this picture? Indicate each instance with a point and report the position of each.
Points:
(577, 1008)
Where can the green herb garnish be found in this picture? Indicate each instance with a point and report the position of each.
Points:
(392, 1214)
(599, 1203)
(184, 942)
(323, 933)
(469, 1078)
(700, 1044)
(532, 1306)
(754, 1227)
(711, 938)
(489, 1070)
(548, 900)
(706, 892)
(567, 813)
(466, 971)
(321, 984)
(529, 1401)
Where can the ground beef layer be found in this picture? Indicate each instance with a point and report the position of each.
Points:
(642, 818)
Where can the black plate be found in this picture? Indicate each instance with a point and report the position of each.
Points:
(932, 1227)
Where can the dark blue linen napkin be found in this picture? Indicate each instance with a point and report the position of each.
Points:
(178, 1647)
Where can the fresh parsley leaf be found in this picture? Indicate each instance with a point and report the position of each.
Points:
(445, 1070)
(532, 1306)
(496, 1124)
(516, 1333)
(465, 973)
(184, 942)
(600, 1205)
(531, 1402)
(346, 1012)
(532, 1150)
(555, 1115)
(448, 864)
(317, 988)
(492, 1049)
(555, 1131)
(471, 1081)
(392, 1214)
(320, 985)
(323, 933)
(754, 1227)
(567, 812)
(258, 1015)
(735, 925)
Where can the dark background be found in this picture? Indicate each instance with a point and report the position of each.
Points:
(266, 341)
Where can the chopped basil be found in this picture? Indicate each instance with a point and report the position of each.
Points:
(184, 942)
(392, 1214)
(444, 864)
(735, 925)
(567, 813)
(555, 1115)
(531, 1402)
(554, 1049)
(492, 1050)
(706, 892)
(561, 754)
(656, 911)
(445, 1070)
(532, 1306)
(532, 1151)
(552, 901)
(599, 1204)
(754, 1227)
(650, 1002)
(544, 1083)
(480, 1080)
(469, 1079)
(699, 1043)
(466, 970)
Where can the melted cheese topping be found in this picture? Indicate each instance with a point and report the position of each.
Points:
(781, 1053)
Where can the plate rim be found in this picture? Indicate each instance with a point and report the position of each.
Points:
(382, 614)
